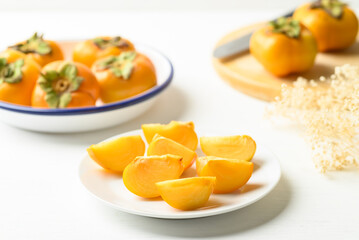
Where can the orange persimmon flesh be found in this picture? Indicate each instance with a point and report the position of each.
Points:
(186, 193)
(116, 154)
(162, 145)
(181, 132)
(142, 174)
(236, 147)
(230, 174)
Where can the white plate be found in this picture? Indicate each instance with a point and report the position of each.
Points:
(109, 188)
(90, 118)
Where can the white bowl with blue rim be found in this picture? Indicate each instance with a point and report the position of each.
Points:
(90, 118)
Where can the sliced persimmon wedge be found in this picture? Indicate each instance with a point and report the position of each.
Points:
(230, 174)
(235, 147)
(186, 193)
(141, 175)
(161, 145)
(181, 132)
(114, 155)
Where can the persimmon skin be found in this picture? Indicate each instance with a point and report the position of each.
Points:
(87, 52)
(112, 88)
(55, 54)
(19, 93)
(281, 55)
(331, 33)
(85, 96)
(12, 55)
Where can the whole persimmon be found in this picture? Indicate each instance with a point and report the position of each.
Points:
(124, 76)
(332, 22)
(284, 46)
(40, 50)
(87, 52)
(64, 84)
(18, 75)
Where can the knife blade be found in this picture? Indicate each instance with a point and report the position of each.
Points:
(236, 46)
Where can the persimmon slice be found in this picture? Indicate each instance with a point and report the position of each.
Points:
(116, 154)
(186, 193)
(235, 147)
(230, 174)
(181, 132)
(162, 145)
(141, 175)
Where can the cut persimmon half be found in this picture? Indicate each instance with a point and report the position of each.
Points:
(181, 132)
(235, 147)
(142, 174)
(186, 193)
(116, 154)
(230, 174)
(161, 145)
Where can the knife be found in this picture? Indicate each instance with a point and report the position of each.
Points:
(237, 45)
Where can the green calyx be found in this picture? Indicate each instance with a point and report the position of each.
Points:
(11, 72)
(333, 7)
(287, 26)
(35, 44)
(121, 66)
(59, 85)
(112, 42)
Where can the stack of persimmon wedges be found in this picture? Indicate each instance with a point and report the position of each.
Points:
(102, 70)
(171, 151)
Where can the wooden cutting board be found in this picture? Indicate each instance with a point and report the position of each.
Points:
(245, 74)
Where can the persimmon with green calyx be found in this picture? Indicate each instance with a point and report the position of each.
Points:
(40, 50)
(124, 76)
(18, 75)
(87, 52)
(332, 22)
(116, 154)
(64, 84)
(187, 193)
(283, 47)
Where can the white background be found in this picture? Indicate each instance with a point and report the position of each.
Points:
(41, 197)
(152, 5)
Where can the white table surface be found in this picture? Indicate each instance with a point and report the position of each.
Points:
(40, 193)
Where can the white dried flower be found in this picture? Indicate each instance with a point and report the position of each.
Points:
(329, 111)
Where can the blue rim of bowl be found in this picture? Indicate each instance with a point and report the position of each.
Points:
(88, 110)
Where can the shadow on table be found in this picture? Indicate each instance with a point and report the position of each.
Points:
(235, 222)
(169, 106)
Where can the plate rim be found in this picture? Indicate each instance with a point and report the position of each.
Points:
(183, 215)
(97, 109)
